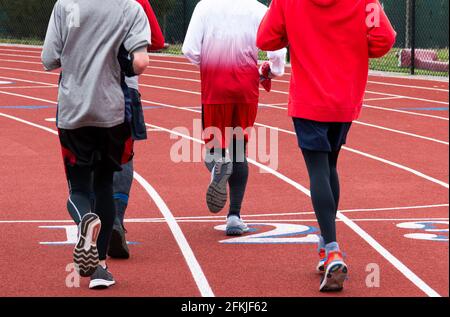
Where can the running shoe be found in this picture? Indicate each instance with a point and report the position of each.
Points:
(217, 194)
(85, 253)
(118, 247)
(235, 226)
(101, 279)
(322, 258)
(335, 272)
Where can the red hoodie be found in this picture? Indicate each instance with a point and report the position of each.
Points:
(157, 39)
(330, 44)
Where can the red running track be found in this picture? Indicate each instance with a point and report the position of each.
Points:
(394, 205)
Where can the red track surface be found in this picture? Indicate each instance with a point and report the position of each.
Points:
(397, 156)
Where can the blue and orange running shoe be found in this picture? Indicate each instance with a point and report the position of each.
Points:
(335, 272)
(322, 259)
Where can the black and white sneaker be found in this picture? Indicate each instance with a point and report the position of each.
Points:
(118, 247)
(85, 253)
(217, 195)
(101, 279)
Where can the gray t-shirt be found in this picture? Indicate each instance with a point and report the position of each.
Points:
(84, 37)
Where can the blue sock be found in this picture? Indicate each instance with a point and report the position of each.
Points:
(321, 244)
(333, 246)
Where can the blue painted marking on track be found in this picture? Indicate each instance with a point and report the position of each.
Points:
(427, 109)
(27, 107)
(151, 107)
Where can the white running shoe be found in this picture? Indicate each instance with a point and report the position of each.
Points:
(235, 226)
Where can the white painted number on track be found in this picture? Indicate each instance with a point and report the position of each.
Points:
(431, 230)
(71, 235)
(281, 234)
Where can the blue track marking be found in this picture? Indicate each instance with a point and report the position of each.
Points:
(27, 107)
(427, 109)
(151, 107)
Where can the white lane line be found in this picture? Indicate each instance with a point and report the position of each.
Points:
(27, 81)
(403, 208)
(407, 86)
(274, 91)
(169, 77)
(407, 112)
(249, 221)
(29, 87)
(23, 62)
(287, 66)
(26, 97)
(196, 93)
(288, 74)
(383, 98)
(199, 220)
(194, 266)
(282, 92)
(408, 97)
(191, 260)
(379, 127)
(402, 132)
(250, 216)
(363, 234)
(405, 168)
(373, 157)
(17, 55)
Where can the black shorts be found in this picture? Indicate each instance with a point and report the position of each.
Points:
(321, 136)
(92, 146)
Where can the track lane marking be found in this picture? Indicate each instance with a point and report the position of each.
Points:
(200, 220)
(380, 128)
(282, 81)
(373, 157)
(370, 156)
(363, 234)
(188, 254)
(275, 107)
(160, 87)
(259, 215)
(402, 268)
(274, 91)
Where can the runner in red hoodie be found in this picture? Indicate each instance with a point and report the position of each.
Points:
(118, 247)
(331, 42)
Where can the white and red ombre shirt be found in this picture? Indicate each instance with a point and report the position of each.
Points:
(221, 39)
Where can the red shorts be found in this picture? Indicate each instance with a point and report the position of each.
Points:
(220, 123)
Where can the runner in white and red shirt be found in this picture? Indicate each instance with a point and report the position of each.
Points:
(221, 40)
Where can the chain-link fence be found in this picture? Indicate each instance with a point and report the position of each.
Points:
(422, 25)
(422, 37)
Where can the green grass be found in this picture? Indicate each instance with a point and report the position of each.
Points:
(389, 63)
(21, 41)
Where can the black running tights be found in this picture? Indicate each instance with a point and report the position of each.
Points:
(325, 189)
(82, 182)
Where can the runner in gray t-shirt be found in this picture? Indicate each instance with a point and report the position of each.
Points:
(84, 38)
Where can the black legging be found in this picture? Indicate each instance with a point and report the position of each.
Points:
(238, 180)
(82, 182)
(325, 189)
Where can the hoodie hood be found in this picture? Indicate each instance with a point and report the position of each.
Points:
(324, 3)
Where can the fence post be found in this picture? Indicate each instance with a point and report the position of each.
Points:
(413, 37)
